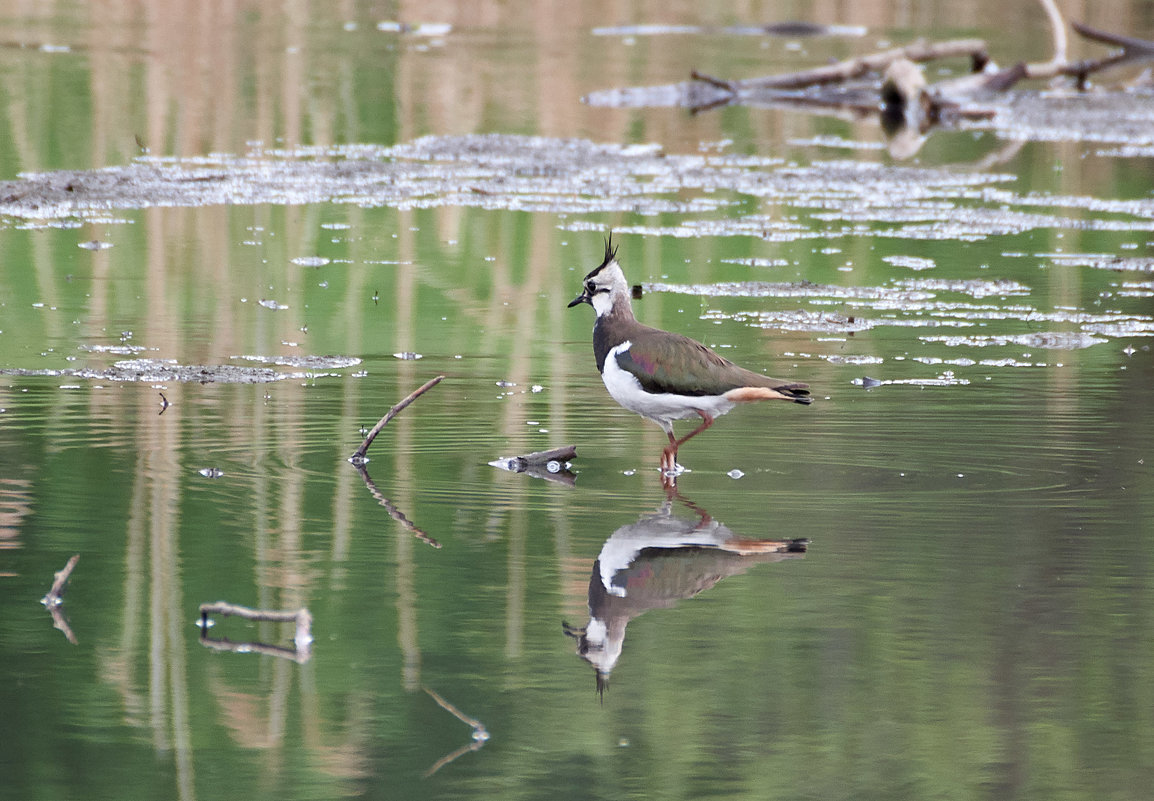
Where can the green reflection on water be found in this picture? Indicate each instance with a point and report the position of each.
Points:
(972, 619)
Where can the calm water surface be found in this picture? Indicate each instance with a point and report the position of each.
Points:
(972, 618)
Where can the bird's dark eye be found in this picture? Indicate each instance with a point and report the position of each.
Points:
(590, 287)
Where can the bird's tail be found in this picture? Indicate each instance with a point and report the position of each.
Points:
(747, 547)
(798, 393)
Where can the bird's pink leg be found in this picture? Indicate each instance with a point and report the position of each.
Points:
(669, 454)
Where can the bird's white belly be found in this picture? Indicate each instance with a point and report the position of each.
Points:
(661, 407)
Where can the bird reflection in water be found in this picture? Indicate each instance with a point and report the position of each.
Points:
(656, 562)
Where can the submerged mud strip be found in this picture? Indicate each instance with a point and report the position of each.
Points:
(163, 371)
(571, 176)
(928, 303)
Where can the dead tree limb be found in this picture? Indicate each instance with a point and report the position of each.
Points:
(1133, 50)
(949, 92)
(359, 455)
(857, 67)
(1057, 30)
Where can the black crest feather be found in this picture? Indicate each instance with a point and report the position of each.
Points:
(610, 251)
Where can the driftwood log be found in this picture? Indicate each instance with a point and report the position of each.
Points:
(551, 465)
(856, 67)
(907, 99)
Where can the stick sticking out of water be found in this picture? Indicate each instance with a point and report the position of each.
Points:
(359, 456)
(302, 618)
(480, 733)
(54, 600)
(55, 595)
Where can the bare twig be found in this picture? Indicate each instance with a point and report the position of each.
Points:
(393, 511)
(712, 81)
(359, 456)
(480, 733)
(55, 595)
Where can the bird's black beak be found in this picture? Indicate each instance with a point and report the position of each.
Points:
(584, 297)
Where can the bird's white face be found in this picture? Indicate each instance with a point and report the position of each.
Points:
(606, 287)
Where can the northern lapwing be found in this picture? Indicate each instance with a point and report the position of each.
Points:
(664, 376)
(655, 562)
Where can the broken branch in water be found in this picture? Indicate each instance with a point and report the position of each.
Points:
(304, 620)
(480, 733)
(560, 455)
(936, 101)
(54, 600)
(55, 595)
(359, 456)
(857, 67)
(1132, 50)
(551, 464)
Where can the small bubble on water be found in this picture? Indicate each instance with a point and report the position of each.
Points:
(553, 466)
(408, 356)
(628, 472)
(211, 472)
(95, 244)
(735, 473)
